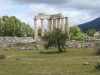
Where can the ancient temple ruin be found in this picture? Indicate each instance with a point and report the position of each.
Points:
(56, 23)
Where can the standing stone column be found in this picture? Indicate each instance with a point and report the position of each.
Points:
(42, 27)
(35, 29)
(54, 23)
(48, 25)
(66, 25)
(51, 25)
(58, 23)
(62, 24)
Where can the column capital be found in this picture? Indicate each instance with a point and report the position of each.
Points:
(42, 19)
(66, 17)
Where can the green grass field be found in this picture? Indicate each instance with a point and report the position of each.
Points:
(49, 63)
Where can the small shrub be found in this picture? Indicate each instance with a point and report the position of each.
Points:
(97, 37)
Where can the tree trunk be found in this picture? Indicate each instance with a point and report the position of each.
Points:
(59, 49)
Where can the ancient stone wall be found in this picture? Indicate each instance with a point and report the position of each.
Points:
(4, 41)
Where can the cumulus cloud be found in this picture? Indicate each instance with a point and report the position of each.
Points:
(54, 2)
(77, 11)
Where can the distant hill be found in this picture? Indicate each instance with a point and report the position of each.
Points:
(90, 25)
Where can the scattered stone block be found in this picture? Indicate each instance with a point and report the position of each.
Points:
(79, 46)
(7, 49)
(2, 56)
(37, 46)
(20, 58)
(86, 46)
(3, 45)
(40, 51)
(34, 48)
(86, 63)
(98, 63)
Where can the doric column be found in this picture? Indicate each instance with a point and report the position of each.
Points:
(35, 29)
(66, 25)
(58, 23)
(42, 27)
(50, 25)
(62, 24)
(54, 23)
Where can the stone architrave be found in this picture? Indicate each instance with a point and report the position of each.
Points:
(54, 23)
(50, 25)
(35, 29)
(42, 27)
(62, 24)
(58, 23)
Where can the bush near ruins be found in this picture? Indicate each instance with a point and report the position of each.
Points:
(56, 38)
(91, 32)
(97, 37)
(76, 34)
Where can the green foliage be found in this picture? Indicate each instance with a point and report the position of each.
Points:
(14, 27)
(39, 31)
(97, 37)
(76, 34)
(56, 38)
(91, 32)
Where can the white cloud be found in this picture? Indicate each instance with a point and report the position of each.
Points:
(74, 10)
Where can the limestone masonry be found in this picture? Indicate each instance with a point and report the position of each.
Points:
(56, 23)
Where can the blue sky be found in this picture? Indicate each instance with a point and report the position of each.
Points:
(77, 11)
(16, 9)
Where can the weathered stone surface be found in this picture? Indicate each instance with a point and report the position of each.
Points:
(7, 49)
(3, 45)
(10, 45)
(40, 51)
(51, 48)
(79, 46)
(2, 56)
(98, 63)
(20, 58)
(37, 46)
(86, 63)
(6, 41)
